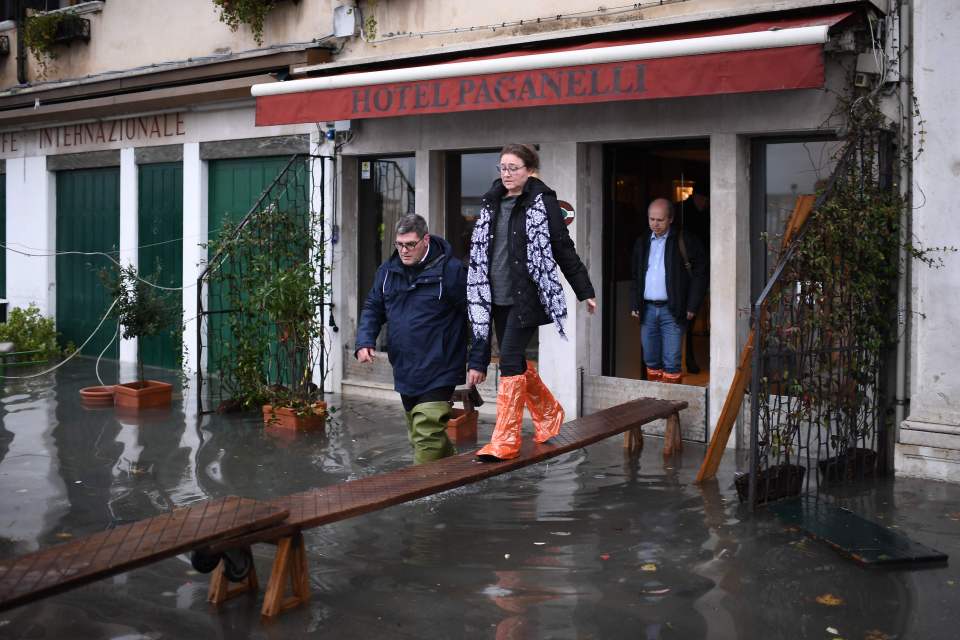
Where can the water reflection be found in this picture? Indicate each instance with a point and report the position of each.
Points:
(33, 498)
(591, 544)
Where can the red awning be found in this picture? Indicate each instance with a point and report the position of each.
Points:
(771, 55)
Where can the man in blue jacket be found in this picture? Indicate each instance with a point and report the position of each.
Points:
(421, 293)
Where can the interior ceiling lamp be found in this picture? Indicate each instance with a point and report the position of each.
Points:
(682, 189)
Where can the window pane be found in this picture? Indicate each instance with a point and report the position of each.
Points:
(469, 176)
(386, 193)
(792, 169)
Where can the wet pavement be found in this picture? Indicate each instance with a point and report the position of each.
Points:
(588, 545)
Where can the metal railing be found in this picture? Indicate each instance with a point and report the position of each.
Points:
(294, 197)
(816, 402)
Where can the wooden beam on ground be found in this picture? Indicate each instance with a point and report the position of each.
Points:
(731, 405)
(728, 415)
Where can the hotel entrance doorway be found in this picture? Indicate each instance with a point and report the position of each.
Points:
(635, 174)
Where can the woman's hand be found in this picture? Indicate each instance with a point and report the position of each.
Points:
(475, 377)
(591, 305)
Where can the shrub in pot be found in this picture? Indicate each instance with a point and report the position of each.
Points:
(32, 332)
(142, 310)
(778, 481)
(287, 294)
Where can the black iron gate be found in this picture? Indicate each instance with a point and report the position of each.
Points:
(819, 414)
(272, 235)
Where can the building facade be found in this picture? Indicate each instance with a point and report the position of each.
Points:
(137, 138)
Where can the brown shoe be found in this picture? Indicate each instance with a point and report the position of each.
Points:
(672, 378)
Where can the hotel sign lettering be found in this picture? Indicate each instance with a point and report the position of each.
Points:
(109, 134)
(799, 67)
(169, 125)
(550, 86)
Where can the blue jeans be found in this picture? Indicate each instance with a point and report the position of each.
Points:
(662, 337)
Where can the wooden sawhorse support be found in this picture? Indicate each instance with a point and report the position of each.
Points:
(289, 568)
(672, 442)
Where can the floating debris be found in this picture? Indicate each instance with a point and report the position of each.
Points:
(829, 600)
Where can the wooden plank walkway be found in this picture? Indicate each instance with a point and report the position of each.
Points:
(338, 502)
(234, 524)
(71, 564)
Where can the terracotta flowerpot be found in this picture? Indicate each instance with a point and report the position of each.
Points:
(142, 395)
(462, 427)
(287, 418)
(97, 396)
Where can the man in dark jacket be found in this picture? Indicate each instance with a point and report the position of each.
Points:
(420, 292)
(669, 282)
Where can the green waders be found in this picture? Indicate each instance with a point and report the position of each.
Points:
(427, 429)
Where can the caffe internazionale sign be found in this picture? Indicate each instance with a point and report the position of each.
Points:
(122, 132)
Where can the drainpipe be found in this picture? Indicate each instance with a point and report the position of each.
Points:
(20, 16)
(901, 400)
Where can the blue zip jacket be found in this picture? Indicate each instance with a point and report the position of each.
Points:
(426, 320)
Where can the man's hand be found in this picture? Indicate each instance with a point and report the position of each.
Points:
(635, 314)
(690, 314)
(366, 354)
(475, 377)
(591, 305)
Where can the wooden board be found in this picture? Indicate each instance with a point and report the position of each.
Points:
(866, 543)
(339, 502)
(65, 566)
(236, 522)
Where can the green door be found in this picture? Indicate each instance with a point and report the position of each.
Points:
(235, 186)
(88, 220)
(161, 248)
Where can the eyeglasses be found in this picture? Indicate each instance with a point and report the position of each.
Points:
(407, 246)
(509, 168)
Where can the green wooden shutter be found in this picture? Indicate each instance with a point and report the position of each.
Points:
(161, 245)
(234, 187)
(88, 220)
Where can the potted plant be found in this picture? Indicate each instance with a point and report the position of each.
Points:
(233, 13)
(287, 297)
(851, 462)
(43, 31)
(143, 310)
(781, 480)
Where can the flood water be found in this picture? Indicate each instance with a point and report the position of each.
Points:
(588, 545)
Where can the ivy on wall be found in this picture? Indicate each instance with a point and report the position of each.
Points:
(42, 32)
(252, 13)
